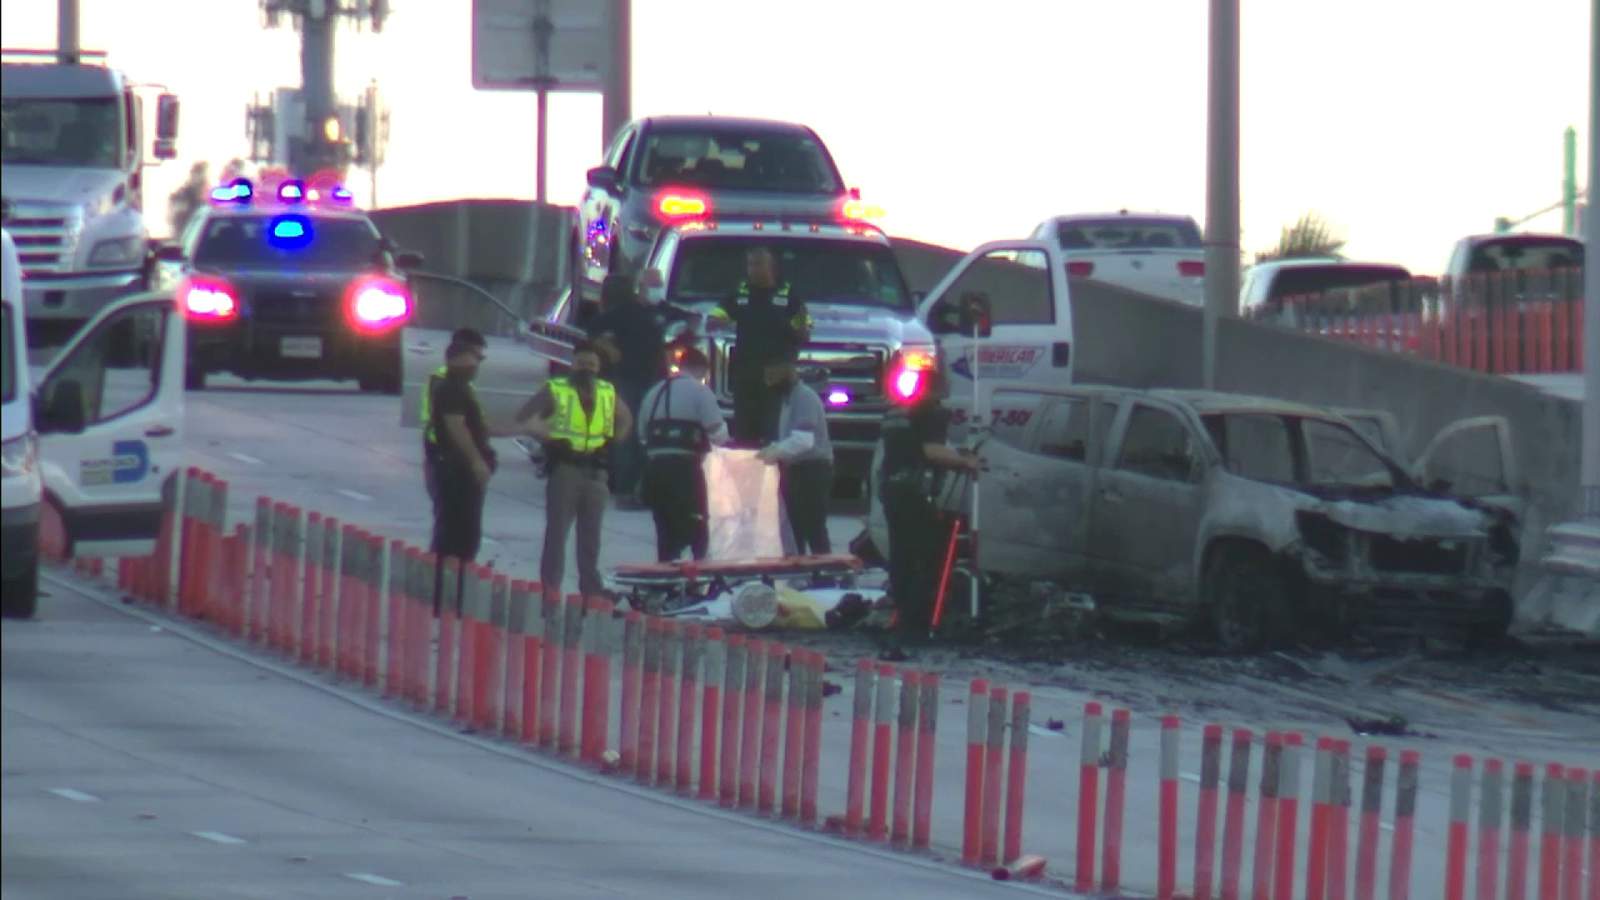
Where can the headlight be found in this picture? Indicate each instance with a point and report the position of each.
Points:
(125, 251)
(1326, 538)
(18, 456)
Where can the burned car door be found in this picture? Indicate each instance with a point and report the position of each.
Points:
(1036, 510)
(1148, 502)
(1473, 458)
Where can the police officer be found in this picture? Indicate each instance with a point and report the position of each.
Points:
(679, 420)
(466, 338)
(770, 325)
(630, 327)
(914, 453)
(577, 417)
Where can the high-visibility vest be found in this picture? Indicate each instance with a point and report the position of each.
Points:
(584, 433)
(780, 298)
(430, 434)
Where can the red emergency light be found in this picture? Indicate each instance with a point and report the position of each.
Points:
(853, 210)
(1080, 268)
(206, 298)
(677, 203)
(1190, 268)
(376, 303)
(909, 374)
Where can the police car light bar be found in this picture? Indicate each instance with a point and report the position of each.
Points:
(289, 193)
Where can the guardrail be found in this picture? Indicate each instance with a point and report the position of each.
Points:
(742, 722)
(1504, 323)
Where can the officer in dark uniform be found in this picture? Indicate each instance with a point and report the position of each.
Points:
(771, 325)
(914, 455)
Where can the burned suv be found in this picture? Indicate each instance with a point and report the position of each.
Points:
(1266, 518)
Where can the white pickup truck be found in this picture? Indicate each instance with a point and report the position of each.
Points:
(1152, 253)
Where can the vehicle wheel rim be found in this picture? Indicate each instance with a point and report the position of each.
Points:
(1238, 617)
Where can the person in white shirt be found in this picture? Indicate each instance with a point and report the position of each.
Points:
(679, 421)
(805, 454)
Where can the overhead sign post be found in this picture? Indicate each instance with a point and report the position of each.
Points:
(543, 46)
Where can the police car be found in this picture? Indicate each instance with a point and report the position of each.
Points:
(298, 285)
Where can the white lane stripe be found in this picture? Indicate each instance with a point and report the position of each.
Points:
(218, 837)
(1190, 778)
(355, 495)
(78, 796)
(378, 880)
(246, 458)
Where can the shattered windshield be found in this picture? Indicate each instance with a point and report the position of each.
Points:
(1263, 447)
(1338, 457)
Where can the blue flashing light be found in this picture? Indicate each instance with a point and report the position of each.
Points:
(291, 192)
(238, 190)
(290, 232)
(342, 195)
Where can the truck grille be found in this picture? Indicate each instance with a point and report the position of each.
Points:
(284, 308)
(46, 237)
(858, 368)
(1422, 556)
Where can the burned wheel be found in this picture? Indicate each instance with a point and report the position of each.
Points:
(1247, 597)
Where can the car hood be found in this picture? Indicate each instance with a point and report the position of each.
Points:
(57, 184)
(1407, 516)
(275, 278)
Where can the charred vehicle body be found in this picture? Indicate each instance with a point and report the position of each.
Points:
(1265, 519)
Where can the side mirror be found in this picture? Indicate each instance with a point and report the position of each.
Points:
(64, 413)
(408, 260)
(165, 149)
(603, 177)
(944, 318)
(167, 117)
(172, 253)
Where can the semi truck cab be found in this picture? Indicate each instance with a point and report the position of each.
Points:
(73, 186)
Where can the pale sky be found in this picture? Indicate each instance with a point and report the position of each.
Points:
(1406, 123)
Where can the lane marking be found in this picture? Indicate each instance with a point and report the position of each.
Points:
(246, 458)
(218, 837)
(1195, 779)
(355, 495)
(378, 880)
(76, 796)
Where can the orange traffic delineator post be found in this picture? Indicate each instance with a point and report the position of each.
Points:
(315, 588)
(395, 605)
(1205, 832)
(1167, 815)
(1371, 808)
(1088, 796)
(905, 758)
(711, 712)
(809, 765)
(1405, 807)
(632, 651)
(732, 705)
(1491, 814)
(533, 652)
(771, 730)
(882, 719)
(571, 666)
(667, 702)
(1116, 793)
(1288, 815)
(993, 777)
(550, 666)
(689, 681)
(927, 727)
(1267, 816)
(750, 723)
(794, 733)
(860, 729)
(649, 692)
(1234, 817)
(977, 742)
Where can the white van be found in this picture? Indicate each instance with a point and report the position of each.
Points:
(93, 444)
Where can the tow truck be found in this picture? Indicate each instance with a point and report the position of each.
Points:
(73, 183)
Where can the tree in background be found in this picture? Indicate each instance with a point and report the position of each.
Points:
(1310, 236)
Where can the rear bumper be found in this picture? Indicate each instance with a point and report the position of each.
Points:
(250, 350)
(19, 540)
(77, 297)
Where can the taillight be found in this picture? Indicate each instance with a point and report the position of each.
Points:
(206, 298)
(1080, 268)
(1190, 268)
(376, 303)
(681, 204)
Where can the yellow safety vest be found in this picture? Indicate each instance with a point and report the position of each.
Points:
(583, 433)
(429, 433)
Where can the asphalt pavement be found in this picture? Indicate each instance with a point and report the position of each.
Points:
(143, 760)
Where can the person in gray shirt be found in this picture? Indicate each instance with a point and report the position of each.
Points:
(805, 454)
(679, 420)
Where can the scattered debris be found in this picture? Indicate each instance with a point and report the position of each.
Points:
(829, 689)
(1394, 726)
(1055, 725)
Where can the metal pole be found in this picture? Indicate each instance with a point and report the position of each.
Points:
(1569, 181)
(1591, 286)
(618, 95)
(1222, 180)
(540, 142)
(67, 32)
(316, 86)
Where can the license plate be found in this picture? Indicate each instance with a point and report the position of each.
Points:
(300, 347)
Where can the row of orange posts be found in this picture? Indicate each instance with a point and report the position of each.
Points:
(736, 720)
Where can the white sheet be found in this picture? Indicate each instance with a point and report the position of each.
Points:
(745, 520)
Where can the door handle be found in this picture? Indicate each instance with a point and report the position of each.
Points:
(159, 431)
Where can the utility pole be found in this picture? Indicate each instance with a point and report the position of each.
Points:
(316, 86)
(1222, 181)
(618, 95)
(542, 83)
(1569, 182)
(1591, 288)
(67, 32)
